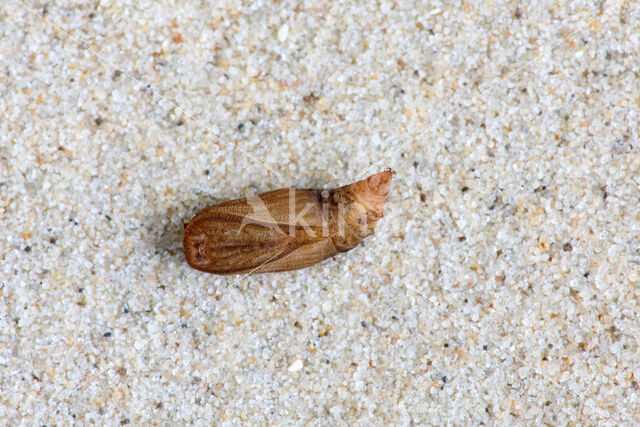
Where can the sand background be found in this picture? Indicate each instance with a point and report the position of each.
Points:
(500, 288)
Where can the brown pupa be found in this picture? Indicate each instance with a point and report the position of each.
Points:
(284, 229)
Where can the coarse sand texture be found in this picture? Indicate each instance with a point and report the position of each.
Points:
(501, 287)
